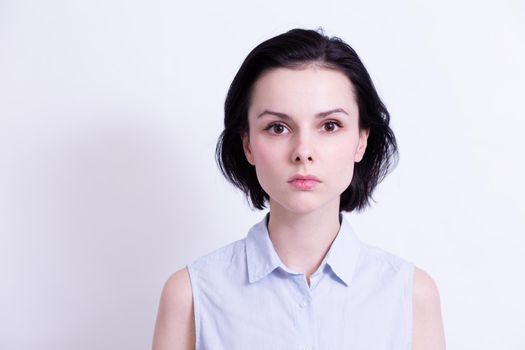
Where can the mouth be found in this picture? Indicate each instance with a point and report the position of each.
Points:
(304, 182)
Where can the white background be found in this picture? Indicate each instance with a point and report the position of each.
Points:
(109, 115)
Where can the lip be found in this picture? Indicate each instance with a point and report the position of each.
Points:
(304, 182)
(304, 177)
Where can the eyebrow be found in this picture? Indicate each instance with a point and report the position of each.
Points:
(318, 115)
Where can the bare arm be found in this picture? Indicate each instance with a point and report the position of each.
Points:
(428, 326)
(175, 327)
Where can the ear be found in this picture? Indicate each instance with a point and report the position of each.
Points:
(361, 147)
(246, 147)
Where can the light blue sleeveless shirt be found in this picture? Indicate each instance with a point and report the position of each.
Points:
(245, 298)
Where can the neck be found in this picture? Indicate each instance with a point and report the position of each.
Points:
(302, 240)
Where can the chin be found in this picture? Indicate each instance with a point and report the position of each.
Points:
(298, 207)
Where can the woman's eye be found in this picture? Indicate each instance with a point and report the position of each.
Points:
(331, 126)
(277, 129)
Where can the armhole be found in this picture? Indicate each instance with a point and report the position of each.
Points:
(410, 304)
(196, 305)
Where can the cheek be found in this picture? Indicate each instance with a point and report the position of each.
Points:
(342, 151)
(346, 168)
(267, 160)
(261, 155)
(266, 152)
(343, 162)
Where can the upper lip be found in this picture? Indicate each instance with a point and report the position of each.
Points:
(304, 177)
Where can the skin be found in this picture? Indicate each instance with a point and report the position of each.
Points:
(175, 328)
(303, 224)
(302, 121)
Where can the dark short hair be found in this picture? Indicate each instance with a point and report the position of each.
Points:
(295, 49)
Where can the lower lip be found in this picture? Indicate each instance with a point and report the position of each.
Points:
(303, 184)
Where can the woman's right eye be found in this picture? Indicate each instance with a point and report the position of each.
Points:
(276, 128)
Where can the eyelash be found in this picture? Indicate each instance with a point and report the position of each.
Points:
(339, 126)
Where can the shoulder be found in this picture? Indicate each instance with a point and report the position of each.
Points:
(174, 328)
(428, 331)
(384, 259)
(425, 289)
(177, 289)
(218, 257)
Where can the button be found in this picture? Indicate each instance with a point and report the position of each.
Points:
(303, 303)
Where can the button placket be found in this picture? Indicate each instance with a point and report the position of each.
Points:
(305, 319)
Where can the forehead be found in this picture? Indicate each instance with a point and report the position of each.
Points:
(307, 89)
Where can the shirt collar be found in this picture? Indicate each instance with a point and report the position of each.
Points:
(260, 253)
(343, 255)
(262, 258)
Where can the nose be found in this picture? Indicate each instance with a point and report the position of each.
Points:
(303, 150)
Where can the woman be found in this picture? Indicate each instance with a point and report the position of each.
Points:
(306, 133)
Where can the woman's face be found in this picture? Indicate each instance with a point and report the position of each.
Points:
(304, 122)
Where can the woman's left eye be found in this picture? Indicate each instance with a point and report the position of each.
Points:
(331, 126)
